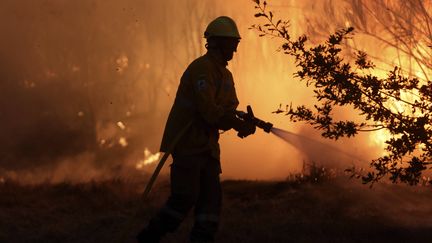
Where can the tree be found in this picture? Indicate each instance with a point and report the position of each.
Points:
(403, 27)
(339, 82)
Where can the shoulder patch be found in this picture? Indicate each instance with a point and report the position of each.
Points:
(201, 84)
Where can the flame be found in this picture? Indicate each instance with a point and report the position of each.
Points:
(149, 158)
(121, 125)
(123, 142)
(379, 137)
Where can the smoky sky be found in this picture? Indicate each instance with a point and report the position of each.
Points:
(86, 86)
(71, 70)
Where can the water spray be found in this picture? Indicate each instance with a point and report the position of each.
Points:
(288, 136)
(247, 116)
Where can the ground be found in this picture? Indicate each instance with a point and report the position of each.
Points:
(336, 210)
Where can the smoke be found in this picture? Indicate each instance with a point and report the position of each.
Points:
(73, 169)
(84, 86)
(87, 87)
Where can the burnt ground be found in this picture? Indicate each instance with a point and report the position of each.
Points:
(336, 210)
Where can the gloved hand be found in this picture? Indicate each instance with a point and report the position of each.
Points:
(228, 121)
(245, 129)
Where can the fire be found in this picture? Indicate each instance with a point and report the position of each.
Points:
(149, 158)
(123, 142)
(121, 125)
(379, 137)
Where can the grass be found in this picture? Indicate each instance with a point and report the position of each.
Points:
(300, 209)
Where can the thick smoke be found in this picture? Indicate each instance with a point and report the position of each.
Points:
(87, 86)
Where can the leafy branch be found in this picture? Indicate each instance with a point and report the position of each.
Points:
(337, 82)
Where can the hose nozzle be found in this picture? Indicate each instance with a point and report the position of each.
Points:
(266, 126)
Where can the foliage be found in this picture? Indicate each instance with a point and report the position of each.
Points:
(337, 82)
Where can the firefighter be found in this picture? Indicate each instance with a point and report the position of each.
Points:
(206, 96)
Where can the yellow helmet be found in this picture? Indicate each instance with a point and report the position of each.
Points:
(222, 26)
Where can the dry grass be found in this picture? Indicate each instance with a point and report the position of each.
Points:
(334, 210)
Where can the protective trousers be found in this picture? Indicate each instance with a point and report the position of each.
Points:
(194, 182)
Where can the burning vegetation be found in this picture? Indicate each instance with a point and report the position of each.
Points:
(399, 103)
(87, 85)
(104, 92)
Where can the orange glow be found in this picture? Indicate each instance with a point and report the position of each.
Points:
(123, 76)
(149, 158)
(123, 142)
(121, 125)
(379, 137)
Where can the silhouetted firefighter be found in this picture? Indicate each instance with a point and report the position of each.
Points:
(205, 103)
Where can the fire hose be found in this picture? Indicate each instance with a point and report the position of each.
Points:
(266, 126)
(154, 177)
(246, 116)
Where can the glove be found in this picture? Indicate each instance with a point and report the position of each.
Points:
(243, 127)
(247, 128)
(228, 121)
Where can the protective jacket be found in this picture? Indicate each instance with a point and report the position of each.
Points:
(205, 94)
